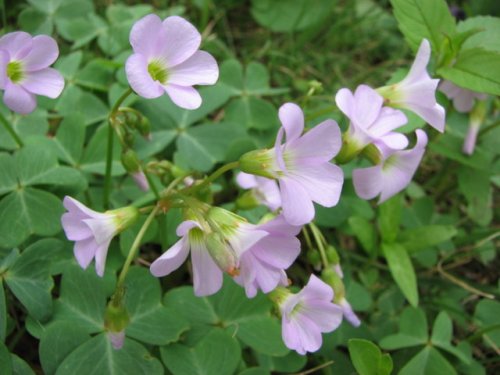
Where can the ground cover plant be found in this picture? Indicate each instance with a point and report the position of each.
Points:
(249, 187)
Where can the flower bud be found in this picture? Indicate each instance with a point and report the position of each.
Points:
(333, 279)
(222, 253)
(124, 217)
(247, 201)
(144, 128)
(332, 255)
(257, 162)
(350, 149)
(130, 161)
(116, 319)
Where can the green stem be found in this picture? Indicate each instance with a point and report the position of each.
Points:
(318, 237)
(488, 128)
(152, 185)
(219, 172)
(11, 131)
(109, 151)
(134, 248)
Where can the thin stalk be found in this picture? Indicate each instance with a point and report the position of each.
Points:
(318, 237)
(152, 185)
(109, 151)
(11, 131)
(488, 128)
(134, 248)
(219, 172)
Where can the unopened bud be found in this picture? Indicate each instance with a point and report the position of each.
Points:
(314, 258)
(144, 128)
(130, 161)
(124, 217)
(116, 319)
(332, 255)
(222, 254)
(331, 277)
(258, 162)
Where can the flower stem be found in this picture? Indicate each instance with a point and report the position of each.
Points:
(109, 151)
(11, 131)
(219, 172)
(318, 237)
(134, 248)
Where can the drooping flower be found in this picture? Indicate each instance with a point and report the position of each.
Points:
(476, 118)
(393, 174)
(166, 59)
(212, 251)
(263, 265)
(93, 231)
(301, 165)
(25, 72)
(463, 99)
(264, 190)
(348, 312)
(141, 180)
(417, 91)
(307, 314)
(369, 120)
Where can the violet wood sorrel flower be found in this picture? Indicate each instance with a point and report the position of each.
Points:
(301, 165)
(417, 91)
(307, 314)
(93, 231)
(369, 121)
(166, 60)
(264, 190)
(215, 245)
(25, 72)
(463, 99)
(393, 174)
(263, 265)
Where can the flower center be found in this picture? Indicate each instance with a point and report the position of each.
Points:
(157, 71)
(15, 71)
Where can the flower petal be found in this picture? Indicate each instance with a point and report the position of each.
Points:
(325, 315)
(298, 208)
(345, 101)
(139, 78)
(316, 290)
(435, 116)
(145, 34)
(18, 44)
(207, 276)
(368, 104)
(418, 69)
(280, 227)
(388, 120)
(85, 251)
(171, 259)
(75, 207)
(43, 53)
(47, 82)
(246, 180)
(74, 228)
(290, 335)
(186, 226)
(395, 141)
(349, 314)
(18, 99)
(292, 120)
(100, 257)
(4, 60)
(368, 181)
(104, 229)
(179, 40)
(279, 252)
(246, 236)
(184, 96)
(199, 69)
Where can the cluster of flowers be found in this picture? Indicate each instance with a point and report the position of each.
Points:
(287, 178)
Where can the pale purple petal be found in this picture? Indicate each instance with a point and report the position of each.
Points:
(245, 237)
(141, 180)
(292, 120)
(309, 333)
(368, 104)
(4, 60)
(324, 314)
(320, 144)
(349, 313)
(395, 141)
(323, 183)
(179, 40)
(199, 69)
(279, 226)
(184, 96)
(18, 99)
(388, 120)
(85, 251)
(186, 226)
(171, 260)
(470, 139)
(246, 181)
(207, 276)
(103, 229)
(418, 70)
(316, 289)
(268, 192)
(449, 89)
(117, 339)
(139, 78)
(345, 101)
(47, 82)
(298, 208)
(18, 44)
(435, 116)
(100, 257)
(75, 207)
(367, 181)
(290, 336)
(144, 35)
(279, 252)
(74, 228)
(464, 101)
(43, 54)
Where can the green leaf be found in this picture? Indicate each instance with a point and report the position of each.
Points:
(419, 19)
(367, 358)
(412, 331)
(28, 211)
(442, 333)
(364, 232)
(5, 360)
(75, 100)
(475, 186)
(3, 313)
(402, 270)
(30, 281)
(197, 310)
(475, 69)
(290, 15)
(292, 362)
(486, 315)
(421, 238)
(217, 354)
(97, 75)
(150, 321)
(97, 356)
(8, 173)
(57, 342)
(428, 362)
(487, 38)
(390, 218)
(253, 113)
(70, 138)
(263, 334)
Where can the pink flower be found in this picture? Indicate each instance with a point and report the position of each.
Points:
(141, 180)
(463, 99)
(301, 165)
(263, 265)
(166, 60)
(93, 231)
(394, 172)
(265, 190)
(369, 120)
(25, 72)
(417, 91)
(307, 314)
(207, 262)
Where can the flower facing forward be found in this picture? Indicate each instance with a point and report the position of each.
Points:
(463, 99)
(263, 265)
(212, 252)
(307, 314)
(393, 174)
(301, 165)
(93, 231)
(166, 59)
(369, 120)
(25, 72)
(417, 91)
(263, 189)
